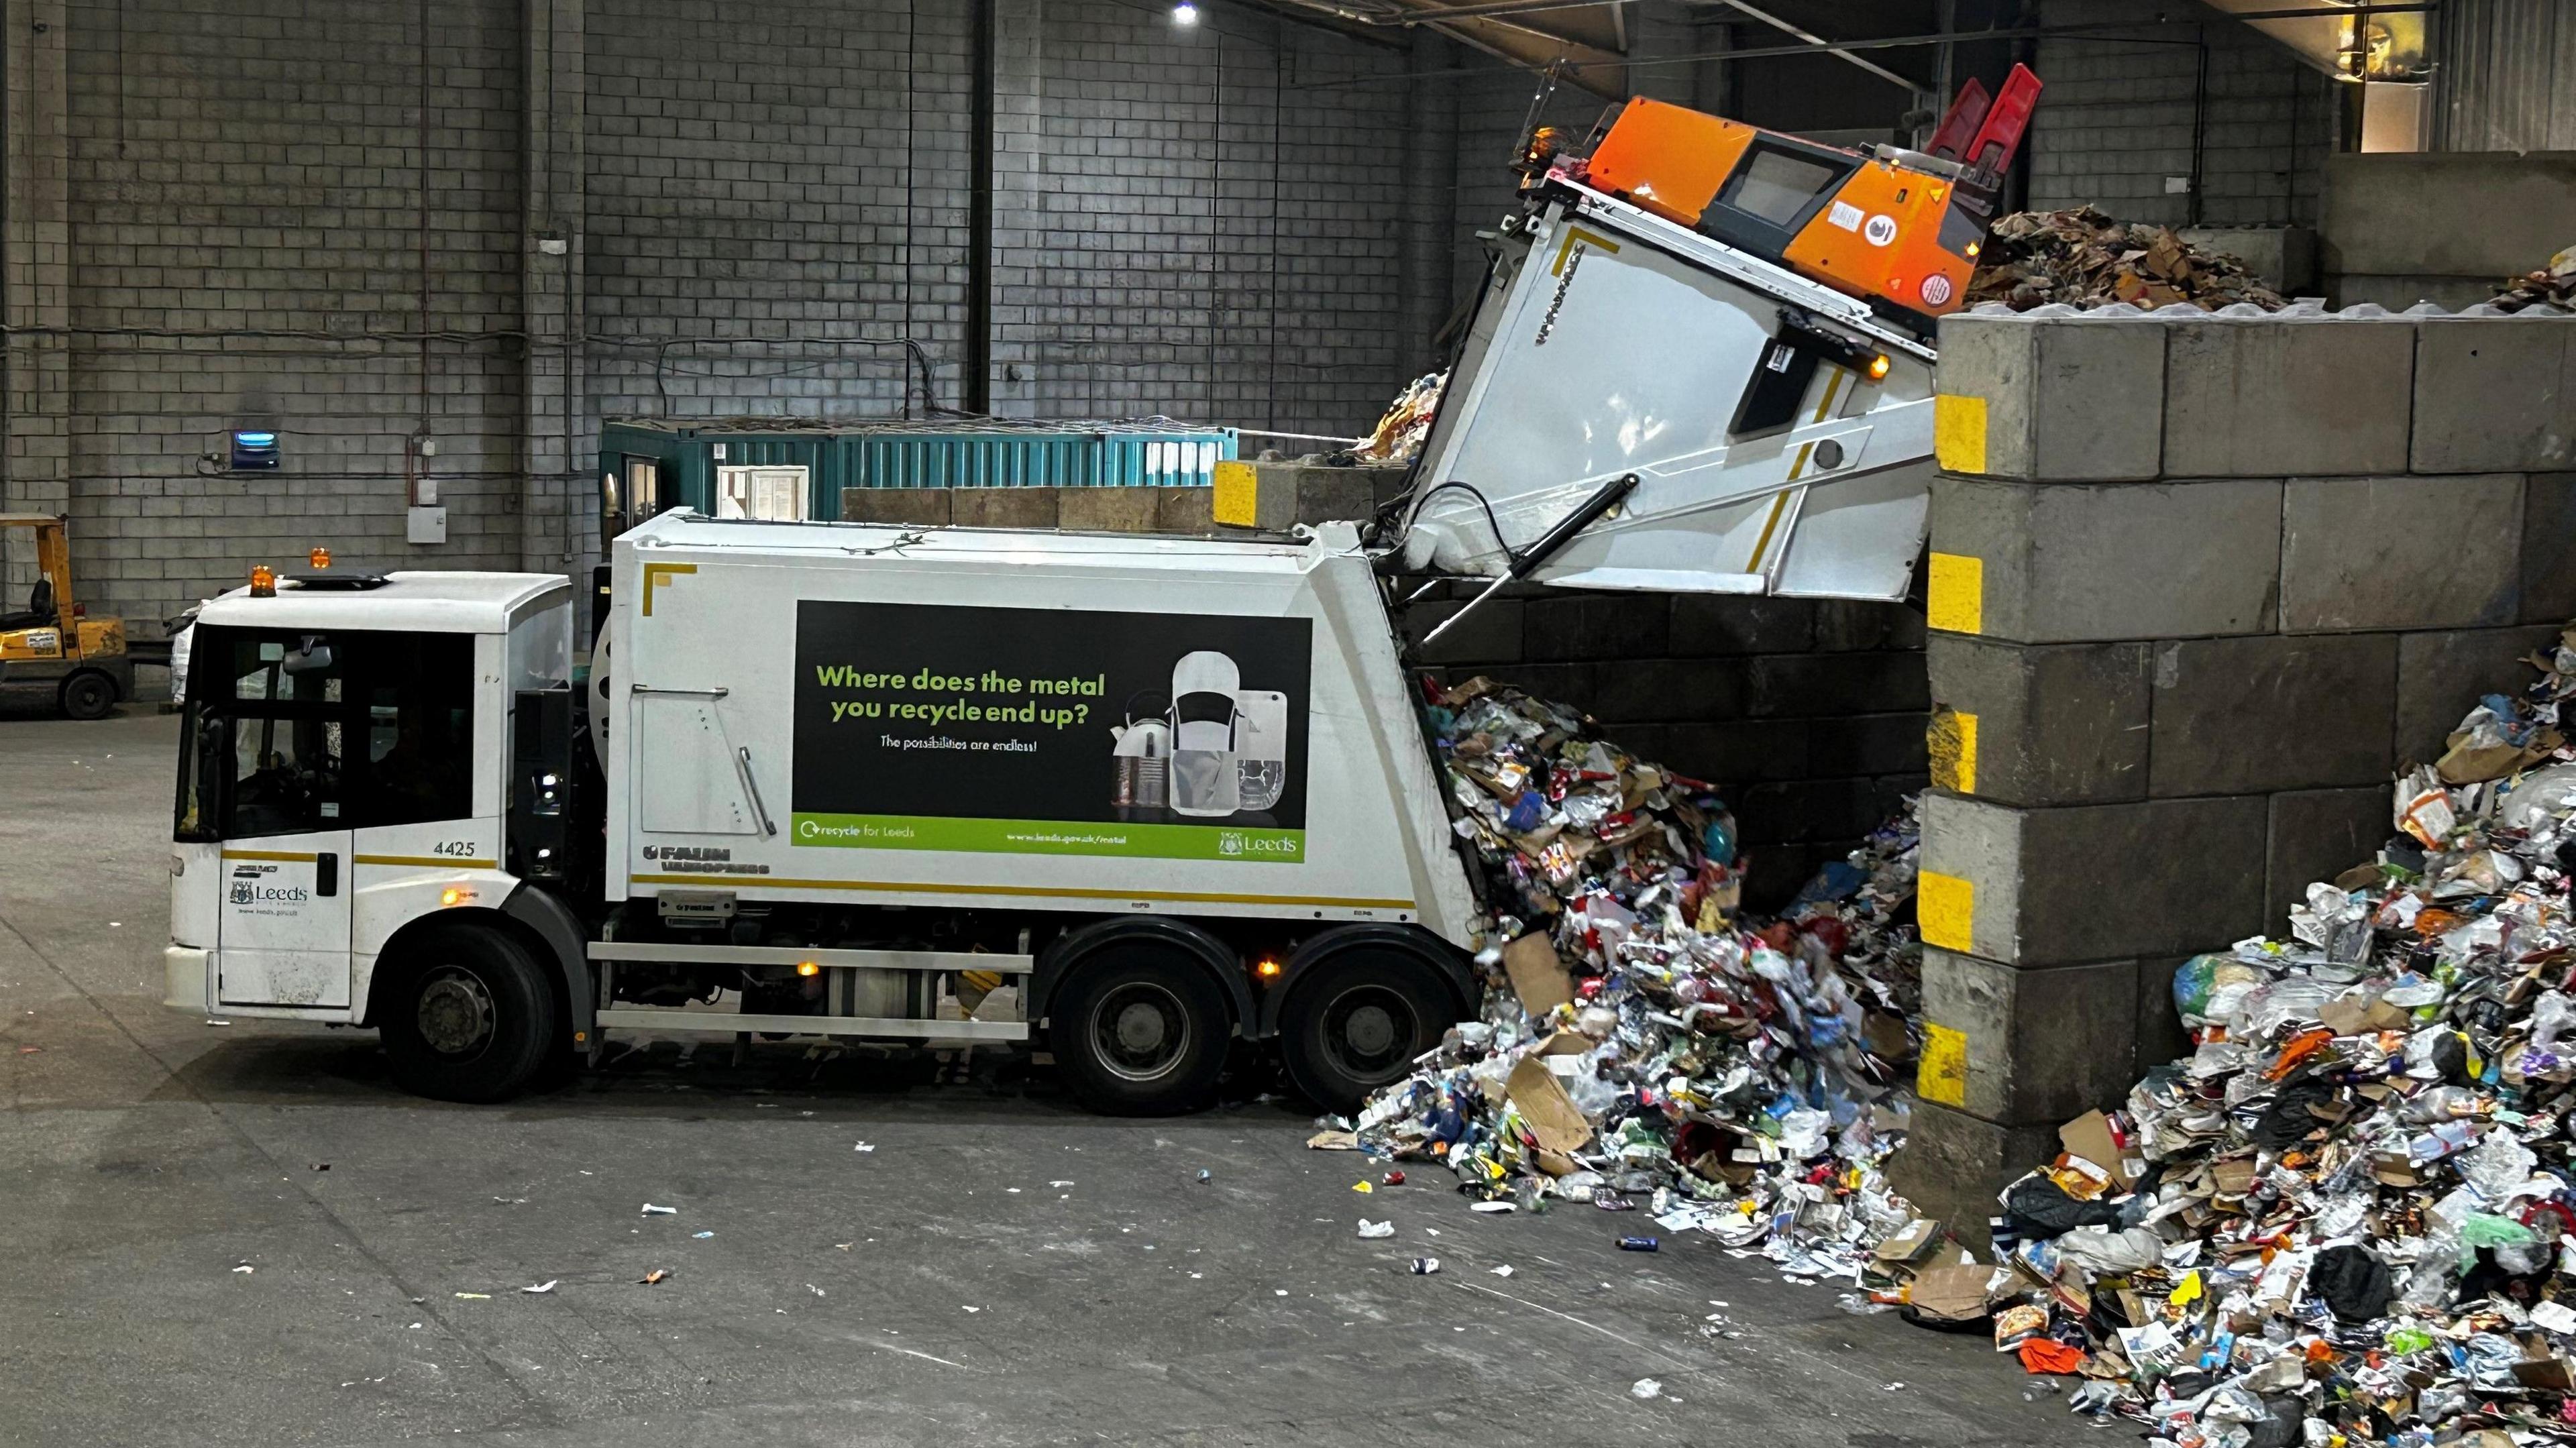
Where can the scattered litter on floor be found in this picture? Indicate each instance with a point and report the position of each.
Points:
(473, 1296)
(701, 1236)
(2084, 258)
(656, 1276)
(1391, 1179)
(1371, 1231)
(650, 1210)
(1503, 1271)
(540, 1288)
(1204, 1176)
(245, 1268)
(1639, 1244)
(1645, 1388)
(2347, 1216)
(1425, 1266)
(865, 1146)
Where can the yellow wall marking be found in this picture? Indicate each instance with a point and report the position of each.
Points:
(655, 573)
(1946, 906)
(1955, 593)
(1574, 234)
(1959, 432)
(1942, 1075)
(1952, 738)
(1238, 494)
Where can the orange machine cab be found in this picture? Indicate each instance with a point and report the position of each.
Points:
(1900, 227)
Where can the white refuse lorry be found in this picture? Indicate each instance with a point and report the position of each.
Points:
(1173, 792)
(1136, 798)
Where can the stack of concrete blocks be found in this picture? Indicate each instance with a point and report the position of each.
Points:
(2199, 585)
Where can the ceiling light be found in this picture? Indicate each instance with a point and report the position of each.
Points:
(1185, 13)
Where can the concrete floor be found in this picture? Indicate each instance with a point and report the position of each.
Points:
(1001, 1269)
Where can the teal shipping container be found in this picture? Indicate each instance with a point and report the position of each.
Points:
(786, 468)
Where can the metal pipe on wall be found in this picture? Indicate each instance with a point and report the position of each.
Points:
(979, 214)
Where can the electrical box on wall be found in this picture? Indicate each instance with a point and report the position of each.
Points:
(425, 525)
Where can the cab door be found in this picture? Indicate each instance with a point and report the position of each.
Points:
(282, 929)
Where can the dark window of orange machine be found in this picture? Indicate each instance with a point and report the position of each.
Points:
(1778, 186)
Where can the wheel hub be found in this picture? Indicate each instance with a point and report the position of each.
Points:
(455, 1014)
(1141, 1031)
(1369, 1031)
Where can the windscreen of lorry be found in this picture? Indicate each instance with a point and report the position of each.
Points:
(291, 731)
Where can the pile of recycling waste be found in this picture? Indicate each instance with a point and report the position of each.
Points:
(2347, 1216)
(1642, 1042)
(2087, 258)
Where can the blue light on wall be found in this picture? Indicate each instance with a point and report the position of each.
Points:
(254, 452)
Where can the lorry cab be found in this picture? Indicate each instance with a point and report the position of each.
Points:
(341, 788)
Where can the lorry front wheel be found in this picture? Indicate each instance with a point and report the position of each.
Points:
(1354, 1021)
(467, 1016)
(1140, 1031)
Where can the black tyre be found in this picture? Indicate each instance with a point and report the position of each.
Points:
(1354, 1021)
(1141, 1030)
(467, 1015)
(87, 695)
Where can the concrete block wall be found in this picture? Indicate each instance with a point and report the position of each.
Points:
(2199, 585)
(1808, 714)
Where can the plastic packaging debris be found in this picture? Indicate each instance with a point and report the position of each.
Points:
(1640, 1244)
(2553, 285)
(1399, 435)
(2085, 258)
(2349, 1215)
(1425, 1266)
(1371, 1231)
(651, 1210)
(657, 1276)
(541, 1288)
(1644, 1388)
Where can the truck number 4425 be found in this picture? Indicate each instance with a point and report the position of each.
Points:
(462, 848)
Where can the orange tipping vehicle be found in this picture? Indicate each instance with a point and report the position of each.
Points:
(1890, 226)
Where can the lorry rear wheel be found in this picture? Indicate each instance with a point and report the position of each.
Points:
(87, 695)
(1353, 1022)
(1141, 1031)
(468, 1017)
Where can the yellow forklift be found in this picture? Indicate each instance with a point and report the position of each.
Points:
(53, 640)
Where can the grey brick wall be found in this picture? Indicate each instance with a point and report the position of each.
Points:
(2118, 117)
(782, 189)
(264, 167)
(1205, 221)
